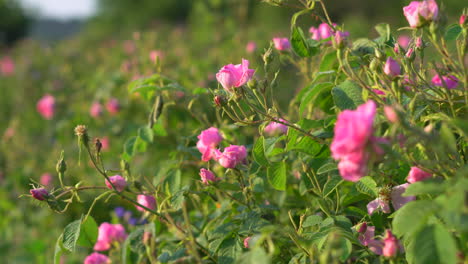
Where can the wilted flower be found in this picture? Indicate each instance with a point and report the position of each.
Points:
(417, 13)
(450, 81)
(46, 106)
(282, 43)
(207, 176)
(230, 76)
(39, 193)
(416, 174)
(379, 204)
(146, 200)
(96, 258)
(109, 234)
(119, 182)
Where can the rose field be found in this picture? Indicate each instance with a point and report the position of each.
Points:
(238, 131)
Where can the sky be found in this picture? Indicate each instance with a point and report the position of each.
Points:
(61, 9)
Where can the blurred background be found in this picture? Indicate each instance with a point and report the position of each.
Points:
(87, 51)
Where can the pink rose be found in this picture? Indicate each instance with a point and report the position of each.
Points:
(146, 200)
(379, 204)
(96, 258)
(282, 43)
(391, 245)
(392, 68)
(96, 110)
(353, 133)
(207, 142)
(246, 242)
(367, 239)
(113, 106)
(207, 176)
(231, 156)
(105, 143)
(39, 193)
(315, 33)
(7, 66)
(403, 41)
(251, 47)
(109, 234)
(46, 179)
(391, 114)
(417, 13)
(416, 174)
(325, 31)
(155, 55)
(450, 81)
(274, 128)
(119, 182)
(230, 75)
(398, 200)
(46, 106)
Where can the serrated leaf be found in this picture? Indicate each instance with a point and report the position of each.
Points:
(58, 249)
(229, 250)
(312, 220)
(129, 146)
(412, 216)
(367, 185)
(452, 32)
(329, 62)
(433, 245)
(347, 95)
(429, 186)
(332, 183)
(277, 175)
(312, 93)
(88, 232)
(299, 43)
(71, 233)
(327, 168)
(259, 152)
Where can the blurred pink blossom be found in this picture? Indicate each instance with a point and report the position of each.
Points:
(113, 106)
(147, 201)
(251, 47)
(96, 110)
(7, 66)
(96, 258)
(46, 106)
(416, 174)
(274, 128)
(282, 43)
(46, 179)
(231, 156)
(207, 142)
(207, 176)
(119, 182)
(109, 234)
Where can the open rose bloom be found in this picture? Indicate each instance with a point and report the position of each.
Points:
(419, 12)
(353, 139)
(231, 76)
(109, 234)
(208, 140)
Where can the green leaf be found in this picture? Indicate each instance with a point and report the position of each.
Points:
(58, 249)
(430, 186)
(129, 146)
(363, 46)
(329, 62)
(433, 245)
(71, 233)
(452, 32)
(259, 152)
(88, 232)
(135, 240)
(412, 216)
(367, 185)
(312, 93)
(255, 256)
(347, 95)
(229, 250)
(172, 182)
(312, 220)
(331, 185)
(299, 42)
(277, 175)
(146, 134)
(327, 168)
